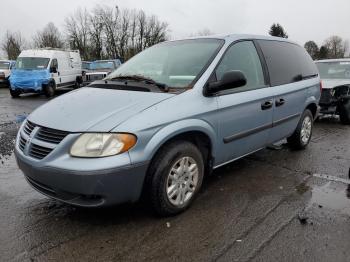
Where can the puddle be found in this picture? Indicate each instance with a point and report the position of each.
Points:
(20, 118)
(332, 196)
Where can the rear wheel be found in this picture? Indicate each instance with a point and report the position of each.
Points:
(344, 112)
(302, 134)
(175, 178)
(49, 89)
(78, 82)
(14, 93)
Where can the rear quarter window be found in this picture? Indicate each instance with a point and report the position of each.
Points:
(286, 62)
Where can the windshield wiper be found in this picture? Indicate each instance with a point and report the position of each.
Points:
(139, 78)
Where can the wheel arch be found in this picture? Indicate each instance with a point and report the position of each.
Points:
(199, 132)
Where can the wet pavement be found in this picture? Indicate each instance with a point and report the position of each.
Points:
(275, 205)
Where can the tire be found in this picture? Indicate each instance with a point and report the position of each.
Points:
(49, 89)
(78, 82)
(302, 134)
(164, 185)
(344, 112)
(14, 93)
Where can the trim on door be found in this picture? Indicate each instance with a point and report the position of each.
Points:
(249, 132)
(286, 119)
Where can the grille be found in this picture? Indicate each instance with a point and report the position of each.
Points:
(95, 77)
(50, 135)
(28, 128)
(45, 134)
(22, 143)
(39, 152)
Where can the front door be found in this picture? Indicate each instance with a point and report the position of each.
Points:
(245, 113)
(55, 75)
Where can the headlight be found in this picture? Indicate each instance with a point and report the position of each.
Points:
(102, 145)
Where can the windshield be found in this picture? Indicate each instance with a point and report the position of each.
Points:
(103, 65)
(4, 65)
(176, 64)
(334, 70)
(32, 63)
(86, 65)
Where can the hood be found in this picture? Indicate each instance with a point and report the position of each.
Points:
(331, 83)
(29, 74)
(94, 109)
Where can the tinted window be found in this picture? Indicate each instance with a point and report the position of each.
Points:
(286, 62)
(243, 57)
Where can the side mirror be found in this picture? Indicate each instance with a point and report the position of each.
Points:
(231, 79)
(53, 69)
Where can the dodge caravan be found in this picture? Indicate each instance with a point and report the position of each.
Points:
(157, 133)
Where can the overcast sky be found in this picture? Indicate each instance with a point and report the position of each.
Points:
(302, 19)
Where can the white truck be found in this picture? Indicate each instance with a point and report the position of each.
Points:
(45, 70)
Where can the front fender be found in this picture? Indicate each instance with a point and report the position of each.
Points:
(169, 131)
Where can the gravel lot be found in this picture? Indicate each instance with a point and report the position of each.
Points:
(275, 205)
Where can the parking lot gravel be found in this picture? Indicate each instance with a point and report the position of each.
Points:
(275, 205)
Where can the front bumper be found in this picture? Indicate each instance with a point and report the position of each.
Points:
(28, 86)
(81, 181)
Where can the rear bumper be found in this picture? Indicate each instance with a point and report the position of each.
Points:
(85, 188)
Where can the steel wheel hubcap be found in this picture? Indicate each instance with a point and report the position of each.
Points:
(306, 129)
(182, 181)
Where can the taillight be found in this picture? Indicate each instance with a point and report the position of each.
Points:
(321, 86)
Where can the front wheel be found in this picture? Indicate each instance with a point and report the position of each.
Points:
(14, 93)
(176, 176)
(302, 134)
(49, 89)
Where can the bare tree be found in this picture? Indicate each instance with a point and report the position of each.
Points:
(13, 44)
(112, 32)
(77, 30)
(96, 34)
(336, 47)
(203, 32)
(50, 36)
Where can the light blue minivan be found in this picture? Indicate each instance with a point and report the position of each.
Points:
(167, 117)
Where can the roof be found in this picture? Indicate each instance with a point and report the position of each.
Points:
(235, 37)
(333, 60)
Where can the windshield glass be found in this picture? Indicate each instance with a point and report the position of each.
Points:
(86, 65)
(103, 65)
(32, 63)
(4, 65)
(334, 70)
(176, 64)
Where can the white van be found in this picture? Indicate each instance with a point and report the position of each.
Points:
(45, 70)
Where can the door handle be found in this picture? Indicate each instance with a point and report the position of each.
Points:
(58, 73)
(266, 105)
(280, 102)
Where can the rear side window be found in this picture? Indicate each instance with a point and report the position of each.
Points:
(287, 62)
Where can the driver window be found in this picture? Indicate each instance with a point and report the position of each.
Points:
(243, 57)
(54, 64)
